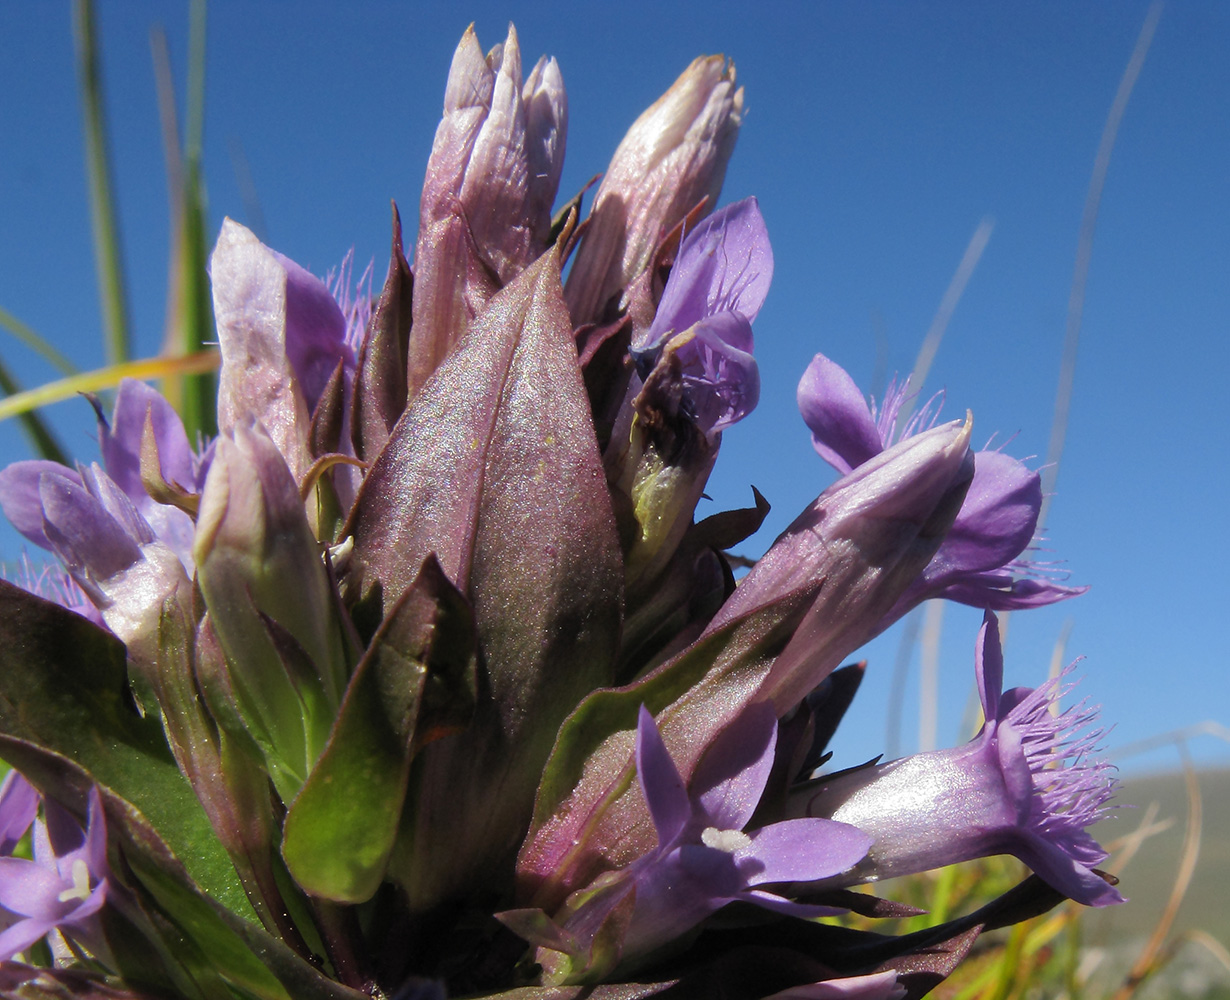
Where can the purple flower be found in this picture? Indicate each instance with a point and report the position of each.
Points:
(866, 537)
(703, 859)
(18, 807)
(51, 505)
(102, 538)
(65, 885)
(1005, 792)
(704, 321)
(978, 563)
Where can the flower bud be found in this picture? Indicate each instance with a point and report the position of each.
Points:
(673, 157)
(485, 213)
(281, 334)
(868, 536)
(268, 594)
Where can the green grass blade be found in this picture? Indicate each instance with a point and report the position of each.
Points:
(189, 323)
(108, 257)
(37, 343)
(41, 438)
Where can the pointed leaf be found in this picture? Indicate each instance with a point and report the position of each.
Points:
(495, 469)
(380, 382)
(415, 681)
(63, 687)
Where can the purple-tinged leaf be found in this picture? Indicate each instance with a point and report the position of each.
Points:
(494, 468)
(63, 688)
(380, 382)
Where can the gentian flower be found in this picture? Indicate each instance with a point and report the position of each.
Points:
(1007, 791)
(699, 378)
(672, 159)
(120, 476)
(18, 807)
(703, 859)
(63, 887)
(979, 562)
(704, 322)
(867, 537)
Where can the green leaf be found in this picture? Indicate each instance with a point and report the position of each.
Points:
(64, 687)
(415, 683)
(41, 437)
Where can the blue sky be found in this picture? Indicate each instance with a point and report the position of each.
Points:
(877, 137)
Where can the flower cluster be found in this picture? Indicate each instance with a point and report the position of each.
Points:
(422, 678)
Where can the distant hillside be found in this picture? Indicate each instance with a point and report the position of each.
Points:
(1149, 877)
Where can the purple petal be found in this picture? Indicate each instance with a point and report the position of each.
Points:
(253, 294)
(21, 935)
(842, 428)
(989, 667)
(19, 495)
(725, 264)
(876, 986)
(730, 777)
(997, 519)
(546, 112)
(722, 379)
(120, 443)
(803, 850)
(1061, 872)
(786, 907)
(81, 531)
(315, 330)
(28, 888)
(117, 503)
(994, 590)
(660, 781)
(18, 807)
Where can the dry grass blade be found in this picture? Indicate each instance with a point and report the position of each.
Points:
(1126, 847)
(106, 378)
(943, 315)
(1084, 252)
(1153, 956)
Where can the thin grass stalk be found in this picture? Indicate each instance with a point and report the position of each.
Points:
(896, 691)
(37, 343)
(1152, 956)
(929, 677)
(1084, 252)
(108, 254)
(1009, 966)
(106, 378)
(943, 316)
(189, 314)
(42, 440)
